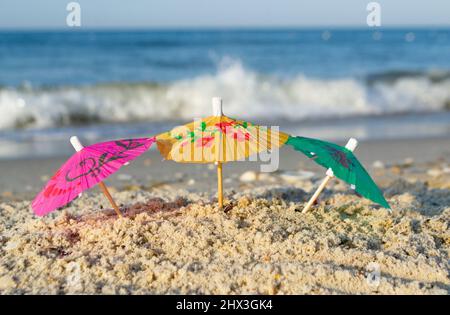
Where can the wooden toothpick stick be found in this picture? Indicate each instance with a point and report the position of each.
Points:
(110, 198)
(317, 193)
(217, 111)
(78, 147)
(351, 145)
(219, 185)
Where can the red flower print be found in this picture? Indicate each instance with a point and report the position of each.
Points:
(48, 191)
(205, 142)
(240, 136)
(224, 126)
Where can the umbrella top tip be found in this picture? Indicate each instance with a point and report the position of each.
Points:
(76, 143)
(351, 144)
(217, 99)
(217, 106)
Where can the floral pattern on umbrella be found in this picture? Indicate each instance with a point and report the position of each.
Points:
(217, 139)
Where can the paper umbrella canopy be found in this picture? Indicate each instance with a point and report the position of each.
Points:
(343, 163)
(217, 139)
(86, 168)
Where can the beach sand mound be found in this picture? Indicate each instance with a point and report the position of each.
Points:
(262, 244)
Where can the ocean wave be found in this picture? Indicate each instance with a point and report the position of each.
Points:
(246, 94)
(389, 77)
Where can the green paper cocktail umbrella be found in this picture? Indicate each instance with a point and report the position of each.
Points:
(340, 162)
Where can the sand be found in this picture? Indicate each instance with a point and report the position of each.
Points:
(174, 240)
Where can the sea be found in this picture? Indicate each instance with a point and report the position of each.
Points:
(325, 83)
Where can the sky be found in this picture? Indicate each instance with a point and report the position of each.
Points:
(45, 14)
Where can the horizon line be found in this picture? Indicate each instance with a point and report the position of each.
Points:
(224, 28)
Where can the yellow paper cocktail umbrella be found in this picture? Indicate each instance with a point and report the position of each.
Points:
(218, 139)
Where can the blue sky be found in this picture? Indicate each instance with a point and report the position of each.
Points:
(223, 13)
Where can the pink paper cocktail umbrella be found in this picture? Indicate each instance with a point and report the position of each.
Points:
(86, 168)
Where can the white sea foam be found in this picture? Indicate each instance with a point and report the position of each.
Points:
(246, 94)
